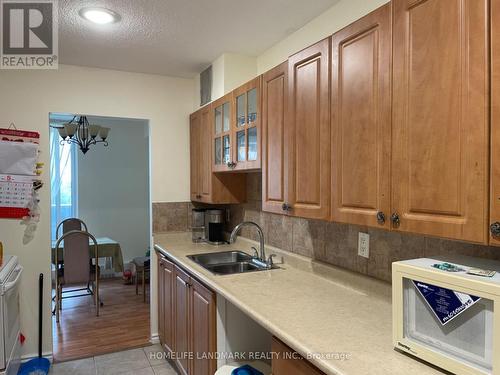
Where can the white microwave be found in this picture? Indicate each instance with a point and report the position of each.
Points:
(449, 319)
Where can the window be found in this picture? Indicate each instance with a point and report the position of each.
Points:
(63, 181)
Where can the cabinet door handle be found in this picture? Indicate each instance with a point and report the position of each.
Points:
(286, 207)
(395, 220)
(380, 218)
(495, 229)
(231, 164)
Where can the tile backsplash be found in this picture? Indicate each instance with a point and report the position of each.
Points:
(337, 244)
(332, 243)
(171, 216)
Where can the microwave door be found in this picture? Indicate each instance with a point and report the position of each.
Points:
(467, 338)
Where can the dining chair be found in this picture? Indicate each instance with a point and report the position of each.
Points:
(69, 224)
(76, 268)
(72, 223)
(142, 267)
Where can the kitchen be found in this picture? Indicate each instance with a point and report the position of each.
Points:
(366, 136)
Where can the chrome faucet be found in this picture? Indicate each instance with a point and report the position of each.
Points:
(234, 234)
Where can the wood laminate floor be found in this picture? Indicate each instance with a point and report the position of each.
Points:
(123, 323)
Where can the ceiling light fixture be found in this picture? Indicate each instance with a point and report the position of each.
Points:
(80, 132)
(100, 16)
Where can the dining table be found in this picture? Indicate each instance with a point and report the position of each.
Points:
(107, 248)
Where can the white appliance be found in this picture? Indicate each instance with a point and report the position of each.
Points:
(10, 277)
(450, 319)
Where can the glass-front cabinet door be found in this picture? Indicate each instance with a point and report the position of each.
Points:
(246, 126)
(222, 115)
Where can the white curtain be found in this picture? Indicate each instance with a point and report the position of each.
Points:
(63, 181)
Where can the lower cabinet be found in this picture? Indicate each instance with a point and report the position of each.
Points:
(161, 310)
(203, 329)
(165, 303)
(181, 320)
(288, 362)
(186, 319)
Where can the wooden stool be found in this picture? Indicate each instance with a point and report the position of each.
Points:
(142, 267)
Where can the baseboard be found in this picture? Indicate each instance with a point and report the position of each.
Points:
(155, 338)
(27, 357)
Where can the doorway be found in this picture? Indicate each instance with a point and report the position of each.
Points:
(107, 188)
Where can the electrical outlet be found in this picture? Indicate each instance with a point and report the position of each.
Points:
(364, 245)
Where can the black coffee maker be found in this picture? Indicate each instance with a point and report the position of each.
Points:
(214, 227)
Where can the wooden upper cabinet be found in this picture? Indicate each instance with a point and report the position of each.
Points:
(203, 328)
(495, 125)
(308, 132)
(246, 126)
(274, 143)
(200, 151)
(222, 114)
(206, 187)
(194, 147)
(440, 118)
(205, 157)
(361, 120)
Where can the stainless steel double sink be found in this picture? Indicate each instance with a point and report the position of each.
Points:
(229, 262)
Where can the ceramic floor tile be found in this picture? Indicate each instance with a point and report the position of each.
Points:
(118, 363)
(164, 369)
(79, 367)
(155, 354)
(129, 362)
(142, 371)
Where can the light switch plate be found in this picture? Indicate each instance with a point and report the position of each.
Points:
(364, 245)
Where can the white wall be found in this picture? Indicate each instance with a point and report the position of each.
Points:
(338, 16)
(113, 185)
(229, 71)
(218, 73)
(27, 98)
(238, 69)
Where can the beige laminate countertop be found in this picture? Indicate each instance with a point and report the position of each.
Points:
(312, 307)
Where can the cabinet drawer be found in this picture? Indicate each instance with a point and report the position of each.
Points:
(288, 362)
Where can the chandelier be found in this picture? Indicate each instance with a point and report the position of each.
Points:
(78, 131)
